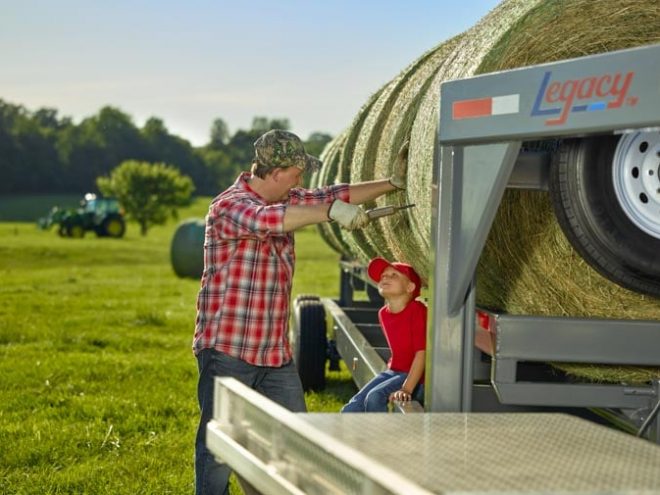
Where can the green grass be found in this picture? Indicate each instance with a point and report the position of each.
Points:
(98, 390)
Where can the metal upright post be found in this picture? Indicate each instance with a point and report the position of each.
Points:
(467, 188)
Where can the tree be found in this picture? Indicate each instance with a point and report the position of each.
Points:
(316, 142)
(148, 192)
(219, 134)
(262, 124)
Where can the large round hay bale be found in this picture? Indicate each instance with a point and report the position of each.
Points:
(330, 231)
(403, 230)
(359, 246)
(369, 164)
(528, 266)
(187, 248)
(552, 278)
(463, 60)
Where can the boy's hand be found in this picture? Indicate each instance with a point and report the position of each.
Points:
(401, 395)
(399, 176)
(347, 215)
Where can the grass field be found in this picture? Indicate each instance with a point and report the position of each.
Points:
(98, 380)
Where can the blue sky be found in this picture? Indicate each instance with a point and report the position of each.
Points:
(189, 62)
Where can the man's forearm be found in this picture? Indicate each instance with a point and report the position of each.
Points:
(366, 191)
(297, 216)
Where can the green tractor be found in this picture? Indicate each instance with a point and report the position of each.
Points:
(101, 215)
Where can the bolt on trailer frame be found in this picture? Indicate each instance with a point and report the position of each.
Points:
(483, 121)
(450, 449)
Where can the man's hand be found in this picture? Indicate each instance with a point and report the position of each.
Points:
(347, 215)
(399, 176)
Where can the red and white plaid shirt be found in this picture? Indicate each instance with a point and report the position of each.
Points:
(243, 303)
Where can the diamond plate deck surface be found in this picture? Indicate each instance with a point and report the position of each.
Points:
(500, 452)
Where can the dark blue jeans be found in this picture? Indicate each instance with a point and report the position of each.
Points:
(374, 396)
(281, 385)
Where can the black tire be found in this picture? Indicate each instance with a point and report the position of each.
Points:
(75, 231)
(113, 226)
(305, 297)
(310, 345)
(582, 187)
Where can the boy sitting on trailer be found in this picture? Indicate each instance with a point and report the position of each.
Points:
(403, 320)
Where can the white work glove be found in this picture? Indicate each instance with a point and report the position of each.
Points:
(399, 173)
(347, 215)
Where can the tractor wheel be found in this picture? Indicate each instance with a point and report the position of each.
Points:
(75, 231)
(113, 226)
(606, 196)
(310, 344)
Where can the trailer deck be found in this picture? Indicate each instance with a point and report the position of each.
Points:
(283, 452)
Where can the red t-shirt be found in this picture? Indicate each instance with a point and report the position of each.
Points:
(405, 332)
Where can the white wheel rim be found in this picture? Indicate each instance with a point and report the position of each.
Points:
(636, 174)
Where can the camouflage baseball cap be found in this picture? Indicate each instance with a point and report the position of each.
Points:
(278, 148)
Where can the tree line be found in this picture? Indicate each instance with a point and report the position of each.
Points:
(43, 152)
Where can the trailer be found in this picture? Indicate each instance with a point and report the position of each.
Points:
(492, 419)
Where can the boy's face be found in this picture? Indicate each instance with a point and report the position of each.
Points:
(394, 283)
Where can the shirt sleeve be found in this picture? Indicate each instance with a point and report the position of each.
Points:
(242, 218)
(320, 195)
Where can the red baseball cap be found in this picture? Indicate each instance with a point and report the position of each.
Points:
(377, 267)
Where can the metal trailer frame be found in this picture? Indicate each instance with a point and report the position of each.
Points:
(488, 147)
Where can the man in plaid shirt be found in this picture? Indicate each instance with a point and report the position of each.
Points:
(249, 258)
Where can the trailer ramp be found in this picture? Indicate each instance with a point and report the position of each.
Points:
(286, 453)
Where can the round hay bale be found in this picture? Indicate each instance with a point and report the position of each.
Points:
(187, 248)
(359, 246)
(369, 163)
(330, 231)
(550, 278)
(553, 279)
(461, 62)
(402, 231)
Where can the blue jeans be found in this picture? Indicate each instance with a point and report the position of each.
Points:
(281, 385)
(374, 396)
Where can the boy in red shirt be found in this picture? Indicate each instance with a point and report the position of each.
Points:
(403, 320)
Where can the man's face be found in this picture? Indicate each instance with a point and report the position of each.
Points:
(287, 179)
(394, 283)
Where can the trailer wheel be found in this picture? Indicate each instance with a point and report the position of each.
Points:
(606, 195)
(310, 343)
(305, 297)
